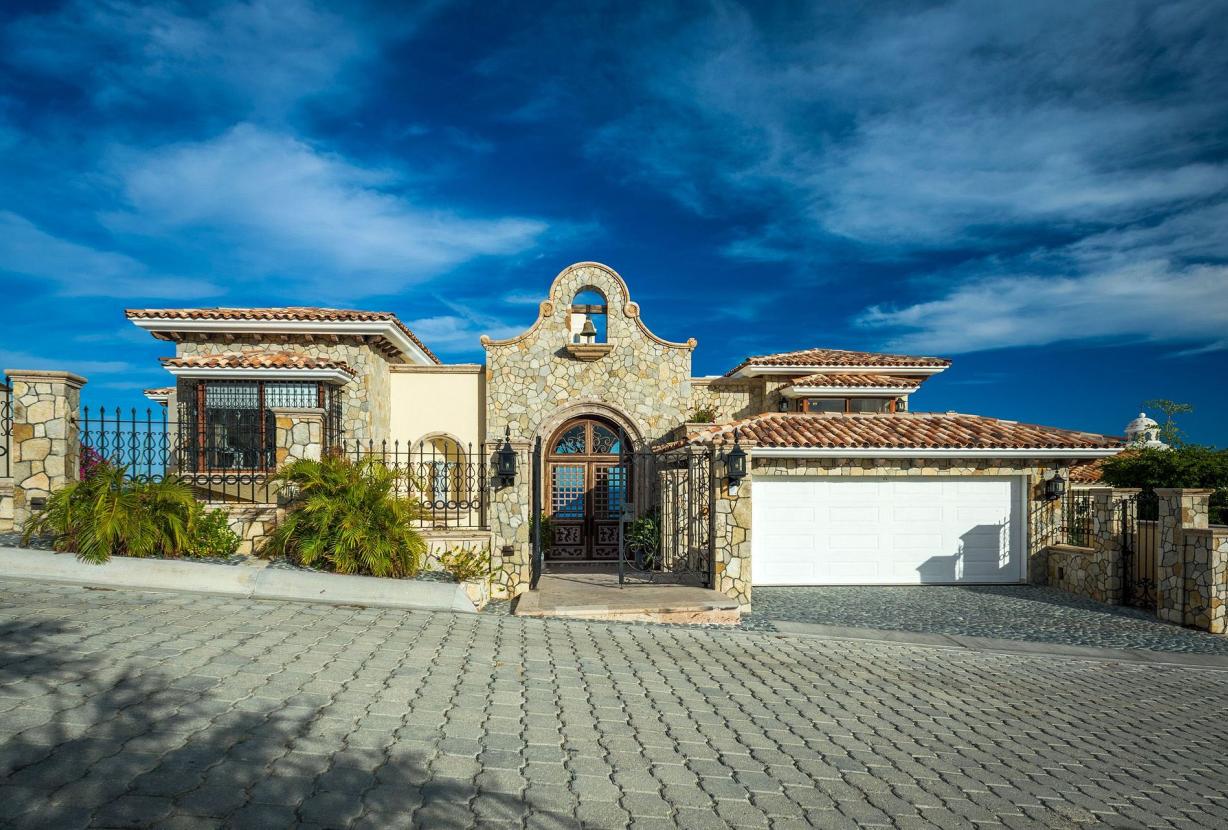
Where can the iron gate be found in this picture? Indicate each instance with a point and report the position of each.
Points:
(667, 521)
(668, 527)
(6, 426)
(1139, 522)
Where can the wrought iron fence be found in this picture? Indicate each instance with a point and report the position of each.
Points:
(6, 427)
(1077, 528)
(1139, 516)
(452, 482)
(222, 460)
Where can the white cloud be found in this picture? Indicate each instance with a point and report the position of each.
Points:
(1151, 300)
(25, 360)
(253, 56)
(315, 221)
(80, 270)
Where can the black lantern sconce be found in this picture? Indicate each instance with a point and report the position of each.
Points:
(735, 464)
(784, 404)
(1055, 487)
(505, 461)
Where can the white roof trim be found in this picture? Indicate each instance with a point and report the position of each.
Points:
(158, 397)
(378, 328)
(752, 371)
(337, 376)
(897, 452)
(845, 391)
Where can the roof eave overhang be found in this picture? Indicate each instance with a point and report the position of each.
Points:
(337, 376)
(952, 452)
(370, 328)
(755, 371)
(841, 391)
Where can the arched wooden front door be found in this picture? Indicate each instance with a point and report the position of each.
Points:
(587, 476)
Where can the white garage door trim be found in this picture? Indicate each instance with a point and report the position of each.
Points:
(889, 530)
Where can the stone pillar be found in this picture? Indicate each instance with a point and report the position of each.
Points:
(1180, 510)
(1107, 573)
(511, 524)
(300, 434)
(731, 571)
(45, 444)
(1217, 582)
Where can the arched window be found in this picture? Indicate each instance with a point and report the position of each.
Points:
(588, 316)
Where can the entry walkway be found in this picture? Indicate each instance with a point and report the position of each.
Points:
(595, 594)
(1008, 612)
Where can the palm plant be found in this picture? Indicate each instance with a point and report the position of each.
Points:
(108, 515)
(345, 516)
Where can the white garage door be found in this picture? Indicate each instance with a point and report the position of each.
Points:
(886, 531)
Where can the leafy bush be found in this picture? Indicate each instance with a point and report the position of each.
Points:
(547, 525)
(643, 539)
(703, 415)
(91, 460)
(345, 516)
(1186, 466)
(108, 515)
(466, 564)
(211, 534)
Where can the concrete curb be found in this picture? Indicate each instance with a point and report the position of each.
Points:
(999, 646)
(253, 581)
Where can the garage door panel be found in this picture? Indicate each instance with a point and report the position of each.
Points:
(887, 531)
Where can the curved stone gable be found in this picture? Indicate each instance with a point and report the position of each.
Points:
(531, 376)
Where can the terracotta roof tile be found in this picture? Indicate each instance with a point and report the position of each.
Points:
(897, 431)
(159, 390)
(298, 313)
(842, 380)
(841, 357)
(255, 359)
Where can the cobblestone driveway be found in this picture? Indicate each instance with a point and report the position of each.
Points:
(129, 709)
(1012, 612)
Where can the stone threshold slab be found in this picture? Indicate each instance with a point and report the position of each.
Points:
(251, 580)
(598, 596)
(1001, 646)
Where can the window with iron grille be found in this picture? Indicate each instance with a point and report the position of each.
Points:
(229, 424)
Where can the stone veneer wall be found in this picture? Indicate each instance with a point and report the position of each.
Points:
(733, 512)
(1192, 562)
(366, 400)
(1071, 569)
(1096, 571)
(730, 398)
(533, 385)
(6, 504)
(45, 445)
(252, 522)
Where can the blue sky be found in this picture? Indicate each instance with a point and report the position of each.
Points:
(1038, 191)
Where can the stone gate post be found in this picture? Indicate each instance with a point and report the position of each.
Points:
(45, 441)
(1178, 578)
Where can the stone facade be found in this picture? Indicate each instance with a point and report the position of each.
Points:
(300, 434)
(45, 445)
(1184, 569)
(365, 400)
(252, 522)
(728, 398)
(535, 383)
(6, 504)
(1094, 571)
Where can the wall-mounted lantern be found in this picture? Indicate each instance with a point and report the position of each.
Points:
(735, 464)
(1055, 487)
(783, 406)
(505, 461)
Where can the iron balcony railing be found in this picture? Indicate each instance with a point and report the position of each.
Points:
(1076, 522)
(450, 481)
(223, 459)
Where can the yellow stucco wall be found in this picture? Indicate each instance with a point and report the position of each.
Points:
(430, 400)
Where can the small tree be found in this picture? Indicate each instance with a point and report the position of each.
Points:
(1170, 433)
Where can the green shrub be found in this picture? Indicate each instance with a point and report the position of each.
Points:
(466, 564)
(345, 516)
(108, 515)
(643, 539)
(547, 526)
(703, 415)
(1188, 465)
(211, 534)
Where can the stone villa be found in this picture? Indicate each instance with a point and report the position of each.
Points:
(844, 481)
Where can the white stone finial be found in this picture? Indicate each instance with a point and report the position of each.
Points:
(1144, 432)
